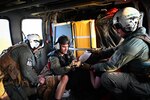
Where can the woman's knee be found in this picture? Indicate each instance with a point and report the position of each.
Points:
(65, 79)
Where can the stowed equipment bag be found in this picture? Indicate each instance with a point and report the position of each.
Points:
(10, 74)
(9, 67)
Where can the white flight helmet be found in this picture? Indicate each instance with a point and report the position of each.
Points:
(34, 40)
(127, 19)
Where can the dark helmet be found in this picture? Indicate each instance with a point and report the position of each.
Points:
(63, 40)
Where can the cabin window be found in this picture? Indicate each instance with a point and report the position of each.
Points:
(32, 26)
(60, 29)
(5, 38)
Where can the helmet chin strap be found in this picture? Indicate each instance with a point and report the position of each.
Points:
(127, 33)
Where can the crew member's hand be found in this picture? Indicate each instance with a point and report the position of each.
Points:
(75, 64)
(78, 63)
(72, 63)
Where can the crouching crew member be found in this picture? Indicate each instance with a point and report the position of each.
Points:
(18, 76)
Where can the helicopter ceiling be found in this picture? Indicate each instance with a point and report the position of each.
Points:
(40, 6)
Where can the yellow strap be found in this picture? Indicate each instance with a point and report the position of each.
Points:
(2, 90)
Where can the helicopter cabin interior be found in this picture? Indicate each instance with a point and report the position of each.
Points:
(86, 22)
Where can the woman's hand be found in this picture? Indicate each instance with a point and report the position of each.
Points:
(42, 79)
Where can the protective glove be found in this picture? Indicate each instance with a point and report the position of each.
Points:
(95, 50)
(86, 66)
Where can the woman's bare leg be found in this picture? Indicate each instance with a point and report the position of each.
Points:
(95, 80)
(61, 87)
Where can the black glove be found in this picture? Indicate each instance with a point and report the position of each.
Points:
(95, 50)
(86, 66)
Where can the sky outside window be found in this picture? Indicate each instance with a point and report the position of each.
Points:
(5, 39)
(32, 26)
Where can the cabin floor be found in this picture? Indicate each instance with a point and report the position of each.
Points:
(82, 89)
(87, 96)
